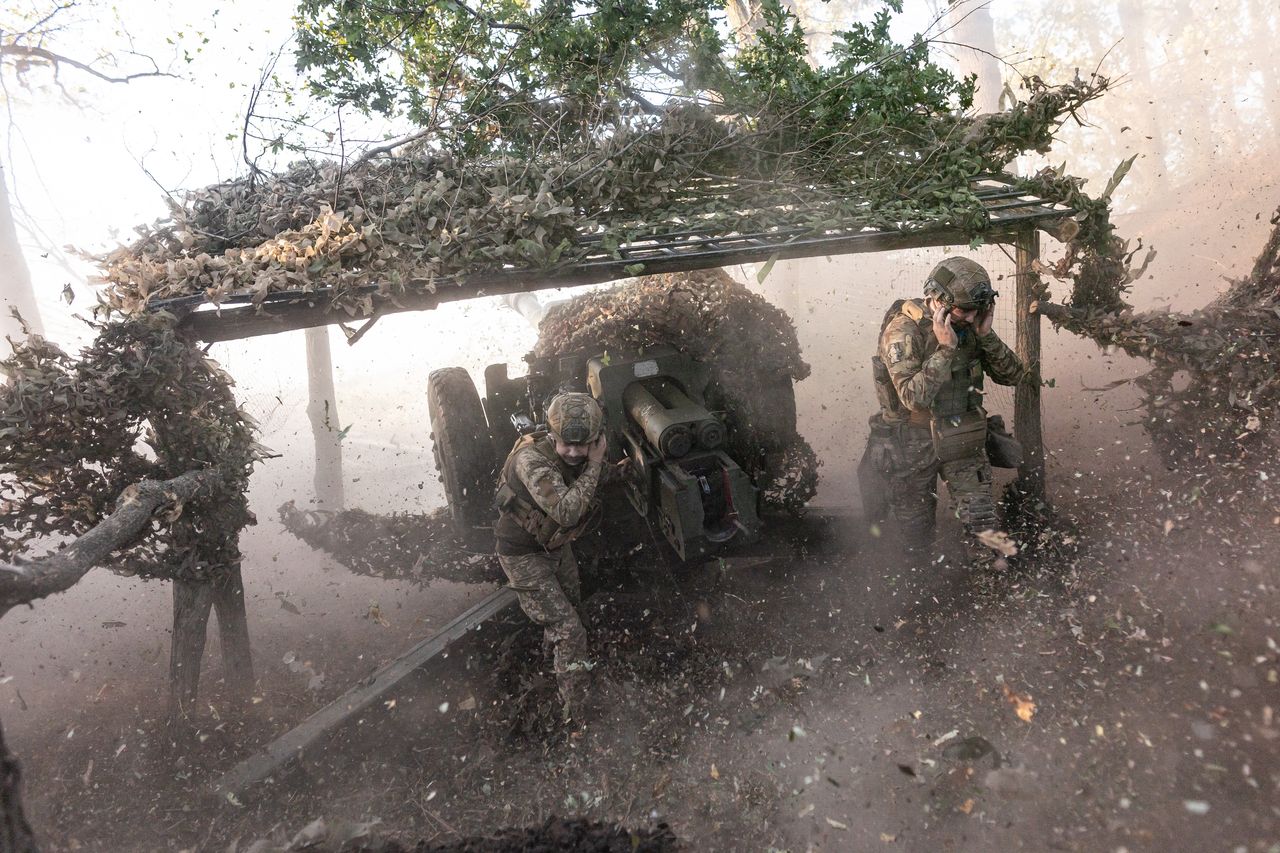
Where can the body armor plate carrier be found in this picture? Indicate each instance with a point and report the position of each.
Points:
(523, 526)
(958, 423)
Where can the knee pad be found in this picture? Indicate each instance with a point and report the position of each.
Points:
(977, 512)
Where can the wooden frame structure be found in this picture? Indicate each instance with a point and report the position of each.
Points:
(1014, 217)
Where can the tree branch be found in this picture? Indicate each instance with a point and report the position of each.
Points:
(390, 146)
(25, 581)
(57, 59)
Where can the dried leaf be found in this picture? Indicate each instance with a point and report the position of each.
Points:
(1022, 704)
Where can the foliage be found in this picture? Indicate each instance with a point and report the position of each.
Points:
(428, 220)
(140, 402)
(1213, 392)
(1097, 260)
(418, 547)
(497, 73)
(539, 144)
(504, 77)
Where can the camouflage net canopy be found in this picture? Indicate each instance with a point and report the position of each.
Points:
(417, 547)
(139, 403)
(426, 219)
(1213, 395)
(747, 343)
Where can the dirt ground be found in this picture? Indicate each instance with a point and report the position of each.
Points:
(826, 696)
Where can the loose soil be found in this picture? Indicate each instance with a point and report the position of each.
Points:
(822, 696)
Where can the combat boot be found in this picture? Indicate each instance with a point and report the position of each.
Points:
(574, 695)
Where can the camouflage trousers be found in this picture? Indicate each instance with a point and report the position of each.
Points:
(911, 472)
(549, 592)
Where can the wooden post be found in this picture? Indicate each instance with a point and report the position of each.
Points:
(323, 412)
(15, 832)
(192, 601)
(1026, 397)
(233, 633)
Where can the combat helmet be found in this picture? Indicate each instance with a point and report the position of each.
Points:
(960, 283)
(574, 417)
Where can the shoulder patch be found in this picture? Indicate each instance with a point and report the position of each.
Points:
(897, 352)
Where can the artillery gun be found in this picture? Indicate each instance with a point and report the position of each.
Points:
(663, 413)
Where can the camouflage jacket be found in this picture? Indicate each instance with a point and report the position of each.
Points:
(919, 368)
(546, 501)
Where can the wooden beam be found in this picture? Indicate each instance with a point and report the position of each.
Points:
(281, 314)
(309, 734)
(1026, 398)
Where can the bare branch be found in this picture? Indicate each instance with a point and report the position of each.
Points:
(388, 147)
(58, 60)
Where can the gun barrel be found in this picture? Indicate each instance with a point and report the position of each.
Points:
(672, 438)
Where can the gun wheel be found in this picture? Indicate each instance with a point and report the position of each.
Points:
(463, 453)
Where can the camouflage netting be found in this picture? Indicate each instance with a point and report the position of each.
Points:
(424, 220)
(750, 346)
(415, 547)
(138, 403)
(1213, 394)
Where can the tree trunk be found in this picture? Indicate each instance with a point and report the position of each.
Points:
(1133, 20)
(975, 33)
(15, 833)
(323, 412)
(233, 633)
(192, 601)
(1266, 20)
(15, 278)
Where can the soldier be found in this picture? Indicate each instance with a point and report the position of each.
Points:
(929, 371)
(547, 499)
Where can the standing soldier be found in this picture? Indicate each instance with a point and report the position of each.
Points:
(547, 499)
(929, 370)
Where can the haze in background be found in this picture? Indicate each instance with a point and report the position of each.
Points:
(1199, 104)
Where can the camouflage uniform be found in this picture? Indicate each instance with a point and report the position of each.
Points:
(928, 383)
(548, 503)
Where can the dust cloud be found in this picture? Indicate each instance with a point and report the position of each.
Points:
(890, 670)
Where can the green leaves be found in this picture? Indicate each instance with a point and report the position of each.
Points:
(1116, 177)
(766, 269)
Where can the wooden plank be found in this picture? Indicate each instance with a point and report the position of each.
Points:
(283, 316)
(309, 734)
(1026, 397)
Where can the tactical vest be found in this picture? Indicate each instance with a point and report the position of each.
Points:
(523, 527)
(960, 394)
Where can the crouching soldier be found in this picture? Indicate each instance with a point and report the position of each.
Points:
(929, 369)
(547, 499)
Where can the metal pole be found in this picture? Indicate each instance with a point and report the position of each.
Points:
(1026, 397)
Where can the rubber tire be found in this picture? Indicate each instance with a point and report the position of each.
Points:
(463, 453)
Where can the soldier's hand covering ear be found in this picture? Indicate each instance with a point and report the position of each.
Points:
(598, 447)
(986, 317)
(942, 330)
